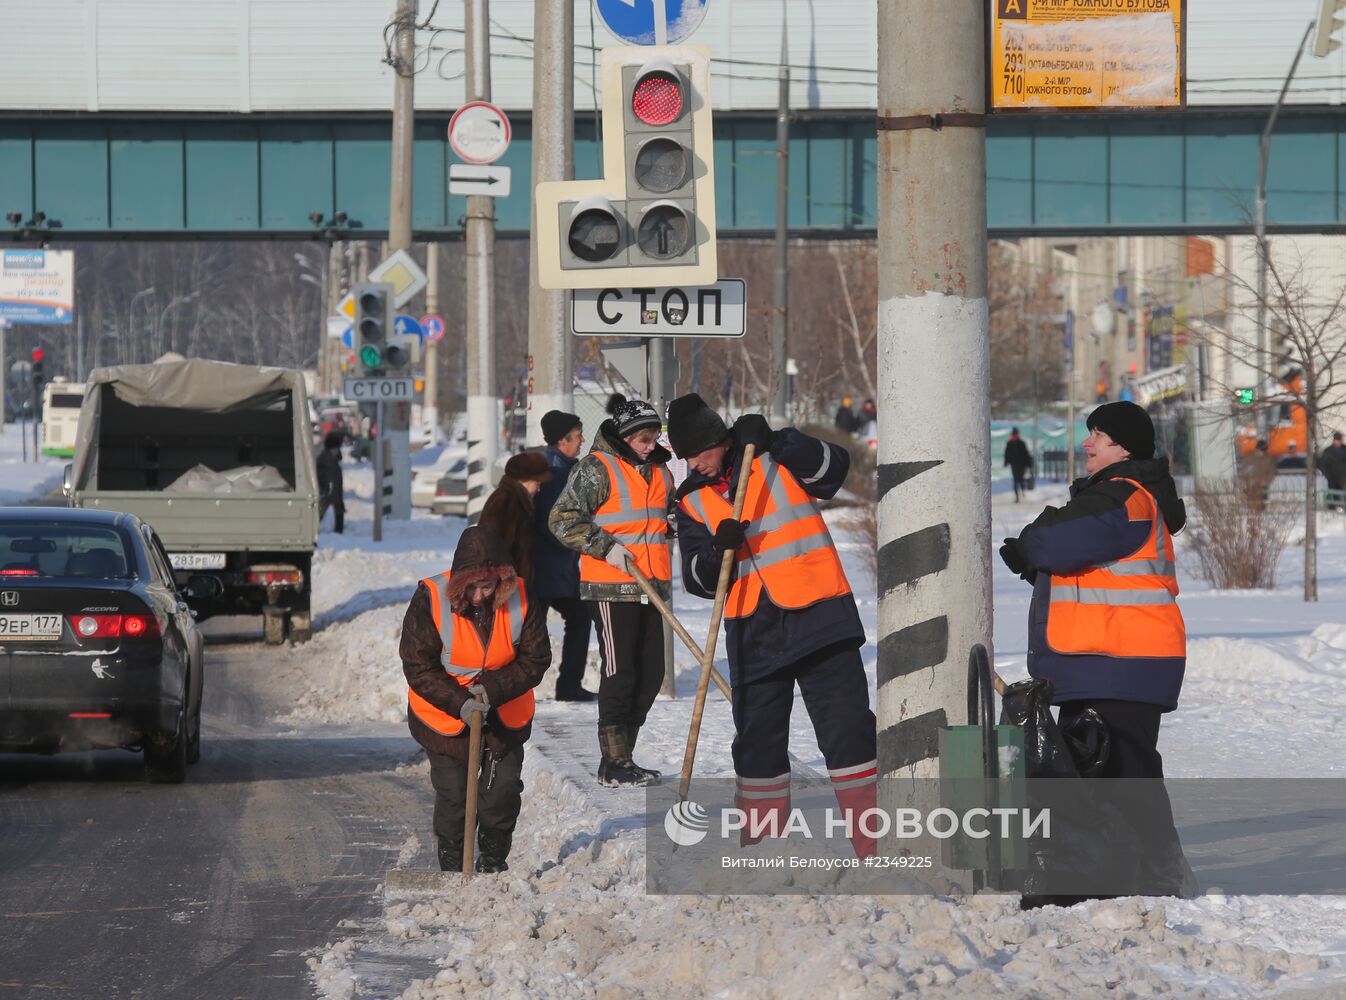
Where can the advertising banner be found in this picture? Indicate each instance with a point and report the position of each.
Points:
(1083, 54)
(37, 286)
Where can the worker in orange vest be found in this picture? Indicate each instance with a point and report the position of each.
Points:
(614, 508)
(473, 641)
(790, 618)
(1104, 624)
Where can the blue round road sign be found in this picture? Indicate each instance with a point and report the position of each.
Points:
(348, 338)
(405, 325)
(633, 21)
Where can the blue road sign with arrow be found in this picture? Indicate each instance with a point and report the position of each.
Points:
(405, 326)
(348, 338)
(651, 22)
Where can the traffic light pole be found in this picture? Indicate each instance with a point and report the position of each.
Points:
(483, 423)
(550, 343)
(780, 310)
(934, 490)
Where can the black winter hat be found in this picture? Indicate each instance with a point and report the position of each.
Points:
(693, 426)
(631, 415)
(1127, 424)
(556, 424)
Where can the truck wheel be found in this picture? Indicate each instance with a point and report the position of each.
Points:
(166, 762)
(273, 628)
(301, 626)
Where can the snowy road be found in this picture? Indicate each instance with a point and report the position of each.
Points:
(213, 888)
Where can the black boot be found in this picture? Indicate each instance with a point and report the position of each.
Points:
(632, 734)
(576, 693)
(616, 770)
(492, 851)
(450, 854)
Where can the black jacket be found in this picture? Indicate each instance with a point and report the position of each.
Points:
(771, 637)
(1333, 464)
(556, 568)
(1016, 454)
(330, 484)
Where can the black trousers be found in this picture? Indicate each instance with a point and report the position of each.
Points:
(631, 642)
(1020, 482)
(1133, 729)
(499, 797)
(836, 695)
(575, 645)
(339, 507)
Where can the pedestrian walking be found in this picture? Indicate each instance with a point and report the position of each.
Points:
(331, 483)
(1019, 460)
(790, 618)
(845, 419)
(508, 511)
(473, 640)
(556, 568)
(613, 508)
(1333, 464)
(1104, 624)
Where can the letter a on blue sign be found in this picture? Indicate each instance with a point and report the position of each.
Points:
(651, 22)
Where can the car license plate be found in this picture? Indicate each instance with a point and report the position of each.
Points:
(196, 560)
(43, 627)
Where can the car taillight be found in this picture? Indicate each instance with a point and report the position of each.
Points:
(18, 572)
(269, 577)
(112, 626)
(441, 491)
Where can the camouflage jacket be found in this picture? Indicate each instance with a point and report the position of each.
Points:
(572, 517)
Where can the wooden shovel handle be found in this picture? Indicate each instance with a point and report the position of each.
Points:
(473, 770)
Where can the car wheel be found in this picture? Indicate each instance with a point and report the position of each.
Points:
(166, 762)
(194, 741)
(273, 629)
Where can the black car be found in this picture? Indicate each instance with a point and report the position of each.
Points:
(97, 648)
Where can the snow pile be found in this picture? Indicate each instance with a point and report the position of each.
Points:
(361, 677)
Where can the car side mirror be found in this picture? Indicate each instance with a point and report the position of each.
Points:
(67, 479)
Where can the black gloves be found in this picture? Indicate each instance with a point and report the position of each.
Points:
(730, 535)
(1014, 556)
(752, 428)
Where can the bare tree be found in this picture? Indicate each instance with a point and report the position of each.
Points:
(1018, 295)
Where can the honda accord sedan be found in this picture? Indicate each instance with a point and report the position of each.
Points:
(97, 648)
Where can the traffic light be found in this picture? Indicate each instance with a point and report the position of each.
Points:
(402, 352)
(1284, 356)
(373, 321)
(1329, 23)
(39, 362)
(651, 219)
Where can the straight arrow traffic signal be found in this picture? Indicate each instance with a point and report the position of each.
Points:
(651, 219)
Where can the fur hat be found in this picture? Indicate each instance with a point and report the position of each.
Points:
(1127, 424)
(693, 426)
(631, 415)
(528, 465)
(556, 424)
(481, 557)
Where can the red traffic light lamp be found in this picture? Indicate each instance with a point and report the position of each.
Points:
(39, 355)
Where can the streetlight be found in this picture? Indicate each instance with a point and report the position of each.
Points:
(130, 316)
(177, 300)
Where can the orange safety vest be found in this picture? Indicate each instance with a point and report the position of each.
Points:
(636, 515)
(464, 657)
(1127, 607)
(787, 551)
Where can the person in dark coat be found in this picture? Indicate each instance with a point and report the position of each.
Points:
(481, 587)
(1019, 461)
(331, 488)
(790, 616)
(1104, 625)
(1333, 464)
(556, 568)
(845, 419)
(508, 511)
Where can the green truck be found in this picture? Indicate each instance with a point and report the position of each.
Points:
(218, 458)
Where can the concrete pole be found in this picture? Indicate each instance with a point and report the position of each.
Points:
(404, 121)
(430, 359)
(483, 421)
(780, 308)
(550, 343)
(934, 488)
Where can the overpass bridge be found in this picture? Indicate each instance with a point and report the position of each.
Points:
(81, 176)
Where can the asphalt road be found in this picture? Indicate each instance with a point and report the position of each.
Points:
(112, 888)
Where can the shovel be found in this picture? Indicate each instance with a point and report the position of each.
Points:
(399, 881)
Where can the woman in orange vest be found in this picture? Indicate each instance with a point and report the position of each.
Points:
(790, 618)
(472, 640)
(615, 507)
(1104, 624)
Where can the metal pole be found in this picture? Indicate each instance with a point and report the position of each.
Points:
(1033, 354)
(79, 348)
(4, 376)
(658, 390)
(934, 488)
(1264, 376)
(404, 121)
(1071, 380)
(430, 360)
(483, 422)
(780, 311)
(377, 460)
(550, 344)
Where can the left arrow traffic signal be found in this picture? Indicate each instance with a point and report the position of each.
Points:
(373, 321)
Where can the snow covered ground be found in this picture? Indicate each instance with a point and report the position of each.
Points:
(1265, 693)
(20, 476)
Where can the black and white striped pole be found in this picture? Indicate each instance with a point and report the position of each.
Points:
(934, 583)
